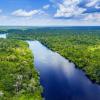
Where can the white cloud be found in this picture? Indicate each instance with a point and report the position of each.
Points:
(97, 6)
(92, 3)
(46, 7)
(69, 8)
(24, 13)
(92, 16)
(71, 2)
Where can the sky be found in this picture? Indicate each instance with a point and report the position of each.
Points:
(50, 12)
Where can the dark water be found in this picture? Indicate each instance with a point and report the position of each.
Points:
(59, 78)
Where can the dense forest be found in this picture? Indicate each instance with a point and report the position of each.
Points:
(79, 46)
(18, 78)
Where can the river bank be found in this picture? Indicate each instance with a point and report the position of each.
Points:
(19, 79)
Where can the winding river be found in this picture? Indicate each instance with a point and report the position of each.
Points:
(59, 77)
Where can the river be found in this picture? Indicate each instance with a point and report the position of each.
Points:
(59, 77)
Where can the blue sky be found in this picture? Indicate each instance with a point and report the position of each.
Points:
(50, 12)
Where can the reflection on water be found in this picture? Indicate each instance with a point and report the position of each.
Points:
(60, 79)
(2, 35)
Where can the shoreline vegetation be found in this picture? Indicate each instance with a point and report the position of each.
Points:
(81, 47)
(18, 78)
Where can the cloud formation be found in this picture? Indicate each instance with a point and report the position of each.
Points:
(69, 8)
(92, 16)
(24, 13)
(45, 7)
(78, 9)
(92, 3)
(97, 6)
(52, 12)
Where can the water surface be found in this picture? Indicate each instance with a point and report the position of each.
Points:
(59, 77)
(2, 35)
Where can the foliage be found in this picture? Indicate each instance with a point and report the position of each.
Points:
(18, 77)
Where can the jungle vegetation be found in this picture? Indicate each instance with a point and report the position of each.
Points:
(79, 46)
(18, 78)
